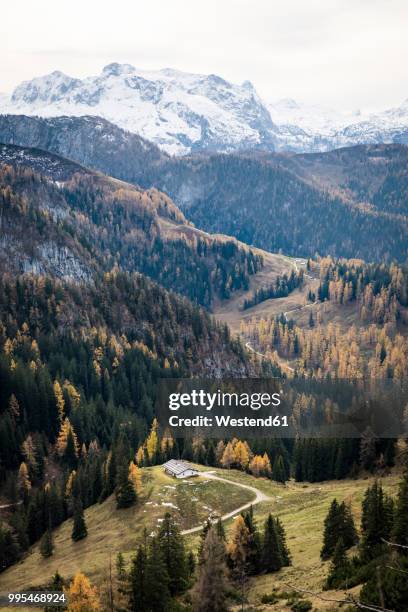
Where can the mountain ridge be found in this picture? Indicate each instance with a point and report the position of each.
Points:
(178, 111)
(274, 201)
(62, 219)
(184, 112)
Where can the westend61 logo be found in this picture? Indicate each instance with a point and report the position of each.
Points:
(257, 408)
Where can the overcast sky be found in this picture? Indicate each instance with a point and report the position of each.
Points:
(346, 54)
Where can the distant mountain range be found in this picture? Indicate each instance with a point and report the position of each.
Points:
(351, 202)
(184, 113)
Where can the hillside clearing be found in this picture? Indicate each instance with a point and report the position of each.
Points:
(111, 531)
(302, 508)
(230, 311)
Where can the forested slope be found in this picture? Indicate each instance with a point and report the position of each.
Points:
(60, 218)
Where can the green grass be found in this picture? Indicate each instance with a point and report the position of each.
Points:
(301, 507)
(111, 530)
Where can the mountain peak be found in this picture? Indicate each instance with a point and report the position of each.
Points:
(116, 69)
(248, 85)
(179, 111)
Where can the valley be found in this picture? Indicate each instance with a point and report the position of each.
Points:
(231, 311)
(122, 265)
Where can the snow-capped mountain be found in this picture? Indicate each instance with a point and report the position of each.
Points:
(183, 113)
(311, 128)
(178, 111)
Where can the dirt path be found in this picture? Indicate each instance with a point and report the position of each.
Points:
(259, 497)
(282, 363)
(299, 308)
(4, 506)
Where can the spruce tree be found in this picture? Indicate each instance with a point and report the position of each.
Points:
(330, 533)
(157, 579)
(70, 454)
(278, 470)
(125, 492)
(400, 528)
(271, 560)
(137, 582)
(394, 587)
(57, 584)
(172, 546)
(254, 544)
(79, 530)
(376, 521)
(347, 529)
(340, 567)
(122, 589)
(284, 550)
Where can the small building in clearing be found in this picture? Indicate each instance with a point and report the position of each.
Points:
(179, 469)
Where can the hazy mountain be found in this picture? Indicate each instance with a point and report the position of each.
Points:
(347, 203)
(312, 128)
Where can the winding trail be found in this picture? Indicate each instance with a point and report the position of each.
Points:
(5, 506)
(285, 314)
(298, 309)
(259, 497)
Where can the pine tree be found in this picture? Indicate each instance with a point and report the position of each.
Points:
(228, 456)
(152, 443)
(137, 581)
(46, 546)
(272, 559)
(157, 579)
(278, 470)
(210, 590)
(125, 491)
(172, 546)
(135, 477)
(284, 550)
(340, 567)
(122, 585)
(254, 543)
(400, 528)
(330, 534)
(376, 521)
(79, 530)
